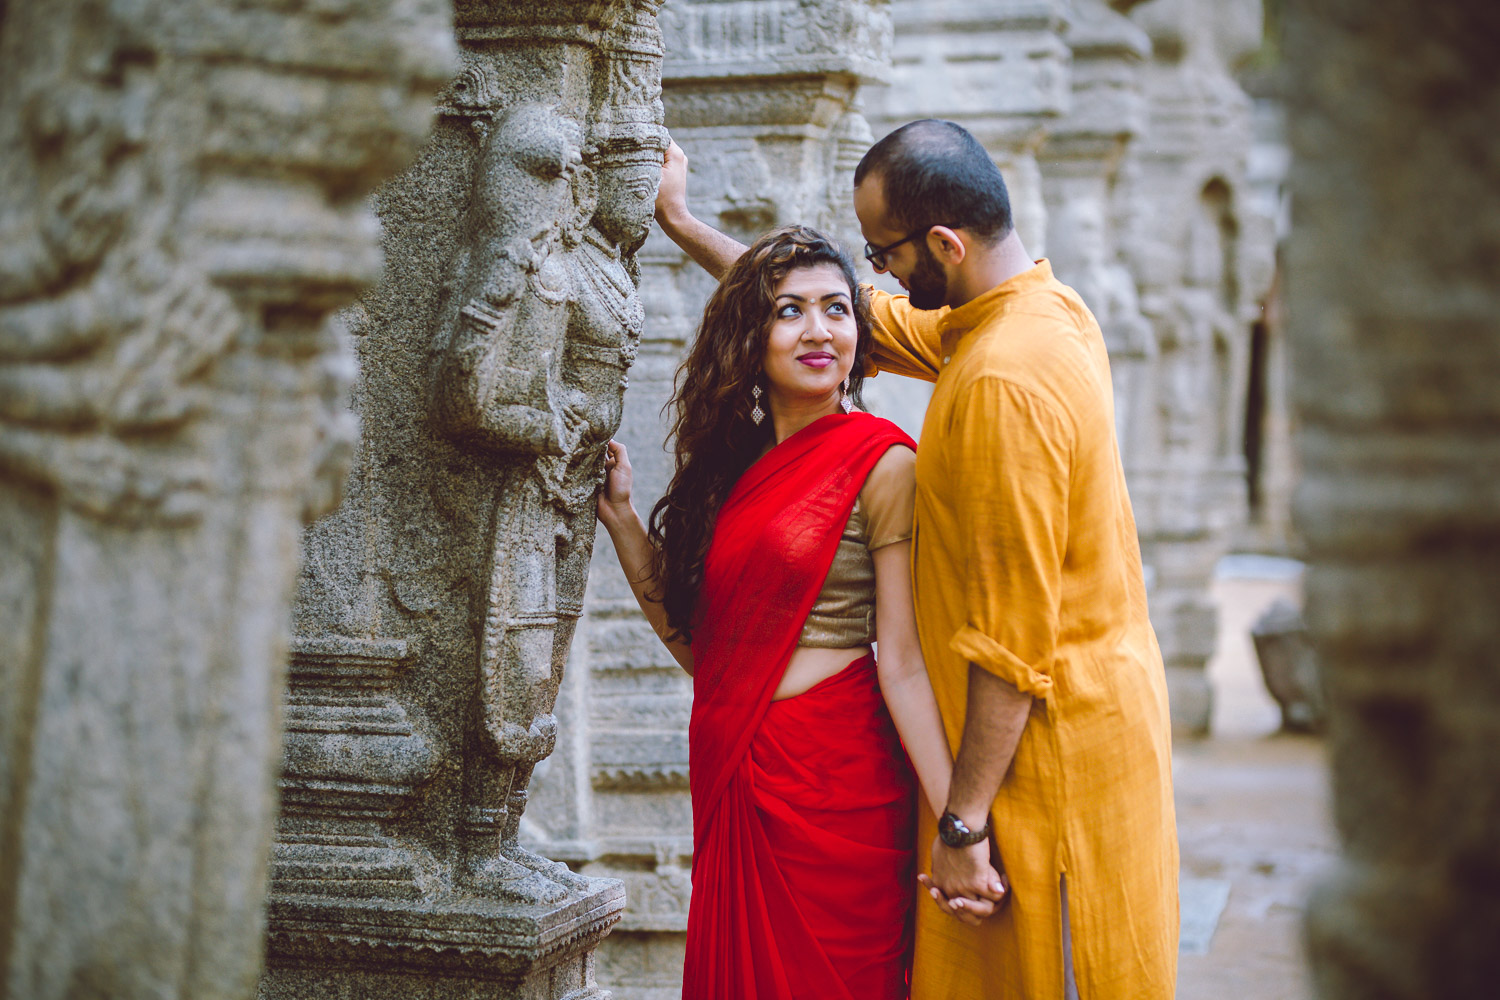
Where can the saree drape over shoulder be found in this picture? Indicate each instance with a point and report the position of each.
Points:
(803, 808)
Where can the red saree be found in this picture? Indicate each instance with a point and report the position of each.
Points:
(803, 819)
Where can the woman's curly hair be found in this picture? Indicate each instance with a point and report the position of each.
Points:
(715, 439)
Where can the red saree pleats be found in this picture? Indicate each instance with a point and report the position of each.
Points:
(802, 809)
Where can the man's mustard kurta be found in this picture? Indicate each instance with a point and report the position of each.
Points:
(1025, 561)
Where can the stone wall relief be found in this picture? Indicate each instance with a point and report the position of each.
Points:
(493, 370)
(181, 209)
(757, 31)
(1202, 396)
(107, 334)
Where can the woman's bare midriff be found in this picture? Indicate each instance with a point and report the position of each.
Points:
(811, 665)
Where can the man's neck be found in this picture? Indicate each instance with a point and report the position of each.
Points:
(989, 267)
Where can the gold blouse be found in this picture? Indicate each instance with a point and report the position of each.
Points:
(843, 616)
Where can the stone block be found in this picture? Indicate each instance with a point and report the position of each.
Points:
(1290, 667)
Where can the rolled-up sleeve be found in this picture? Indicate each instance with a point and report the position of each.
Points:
(1013, 455)
(908, 340)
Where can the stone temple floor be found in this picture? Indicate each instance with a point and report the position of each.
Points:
(1252, 816)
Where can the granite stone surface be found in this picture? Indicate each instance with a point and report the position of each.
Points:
(438, 603)
(181, 210)
(1396, 350)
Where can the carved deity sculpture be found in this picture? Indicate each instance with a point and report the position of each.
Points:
(439, 600)
(530, 368)
(496, 389)
(496, 371)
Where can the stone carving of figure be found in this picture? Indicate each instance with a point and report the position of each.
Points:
(496, 389)
(495, 376)
(173, 235)
(543, 322)
(605, 320)
(1195, 390)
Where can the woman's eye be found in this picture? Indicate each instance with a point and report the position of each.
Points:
(788, 311)
(838, 309)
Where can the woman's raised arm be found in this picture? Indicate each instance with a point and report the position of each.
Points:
(633, 547)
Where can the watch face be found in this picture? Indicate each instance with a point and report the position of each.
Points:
(952, 830)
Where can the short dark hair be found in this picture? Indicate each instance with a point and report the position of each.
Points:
(935, 173)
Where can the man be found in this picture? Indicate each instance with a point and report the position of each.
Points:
(1030, 601)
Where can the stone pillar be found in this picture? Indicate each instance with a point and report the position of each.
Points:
(1269, 452)
(438, 603)
(1202, 261)
(1080, 167)
(1000, 69)
(997, 67)
(180, 210)
(1393, 301)
(764, 97)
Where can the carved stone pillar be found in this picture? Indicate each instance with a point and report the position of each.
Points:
(181, 207)
(1080, 167)
(1000, 69)
(1202, 260)
(763, 96)
(1393, 304)
(997, 67)
(438, 603)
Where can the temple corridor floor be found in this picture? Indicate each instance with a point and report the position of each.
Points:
(1253, 823)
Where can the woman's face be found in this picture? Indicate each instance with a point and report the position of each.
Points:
(810, 350)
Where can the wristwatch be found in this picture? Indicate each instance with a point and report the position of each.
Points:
(956, 833)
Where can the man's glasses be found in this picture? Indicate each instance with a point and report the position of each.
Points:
(877, 255)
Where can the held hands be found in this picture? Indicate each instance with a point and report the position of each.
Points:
(964, 883)
(614, 498)
(671, 195)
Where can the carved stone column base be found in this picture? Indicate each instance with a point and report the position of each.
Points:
(455, 948)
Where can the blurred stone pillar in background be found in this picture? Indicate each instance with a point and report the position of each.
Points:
(439, 602)
(1269, 453)
(181, 208)
(1202, 258)
(764, 98)
(1000, 69)
(1080, 167)
(1394, 306)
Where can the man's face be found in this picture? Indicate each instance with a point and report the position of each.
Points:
(912, 263)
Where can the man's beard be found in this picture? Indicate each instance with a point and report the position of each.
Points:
(927, 284)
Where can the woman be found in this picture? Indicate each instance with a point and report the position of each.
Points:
(779, 552)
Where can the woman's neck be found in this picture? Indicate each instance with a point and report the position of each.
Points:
(790, 416)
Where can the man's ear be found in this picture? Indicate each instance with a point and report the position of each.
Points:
(946, 245)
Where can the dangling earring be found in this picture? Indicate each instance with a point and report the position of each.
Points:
(844, 400)
(756, 414)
